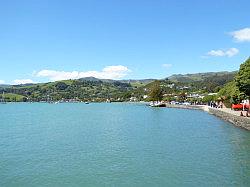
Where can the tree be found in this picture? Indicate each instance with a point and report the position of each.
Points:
(209, 98)
(229, 90)
(61, 85)
(242, 79)
(155, 92)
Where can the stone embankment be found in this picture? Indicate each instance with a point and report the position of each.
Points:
(225, 114)
(237, 120)
(193, 107)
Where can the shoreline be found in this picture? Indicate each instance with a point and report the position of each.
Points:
(224, 114)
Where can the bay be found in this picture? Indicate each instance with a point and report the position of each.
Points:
(119, 144)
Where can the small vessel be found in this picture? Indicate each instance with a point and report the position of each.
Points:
(157, 104)
(2, 101)
(86, 103)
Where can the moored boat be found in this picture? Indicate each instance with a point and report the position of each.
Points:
(157, 104)
(2, 101)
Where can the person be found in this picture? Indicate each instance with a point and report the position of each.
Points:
(241, 113)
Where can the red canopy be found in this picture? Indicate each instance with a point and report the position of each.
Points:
(239, 106)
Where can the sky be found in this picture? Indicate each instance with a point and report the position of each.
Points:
(50, 40)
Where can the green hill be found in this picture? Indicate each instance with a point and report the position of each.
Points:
(93, 89)
(195, 77)
(82, 89)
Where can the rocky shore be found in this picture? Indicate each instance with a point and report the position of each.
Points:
(225, 114)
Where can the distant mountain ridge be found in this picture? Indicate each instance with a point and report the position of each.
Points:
(112, 80)
(4, 85)
(185, 78)
(195, 77)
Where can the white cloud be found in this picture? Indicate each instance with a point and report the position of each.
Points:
(229, 53)
(167, 65)
(23, 81)
(242, 35)
(2, 81)
(109, 72)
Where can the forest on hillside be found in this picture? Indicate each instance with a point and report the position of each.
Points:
(99, 90)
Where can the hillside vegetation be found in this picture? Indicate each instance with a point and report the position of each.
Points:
(198, 77)
(93, 89)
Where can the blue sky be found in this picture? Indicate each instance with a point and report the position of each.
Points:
(49, 40)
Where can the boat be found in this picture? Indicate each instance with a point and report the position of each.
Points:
(86, 103)
(2, 101)
(157, 104)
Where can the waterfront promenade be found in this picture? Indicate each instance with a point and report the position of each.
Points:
(226, 114)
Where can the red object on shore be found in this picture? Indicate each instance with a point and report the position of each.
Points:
(239, 106)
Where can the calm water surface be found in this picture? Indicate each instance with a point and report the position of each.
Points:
(119, 145)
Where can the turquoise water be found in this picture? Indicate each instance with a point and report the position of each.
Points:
(119, 145)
